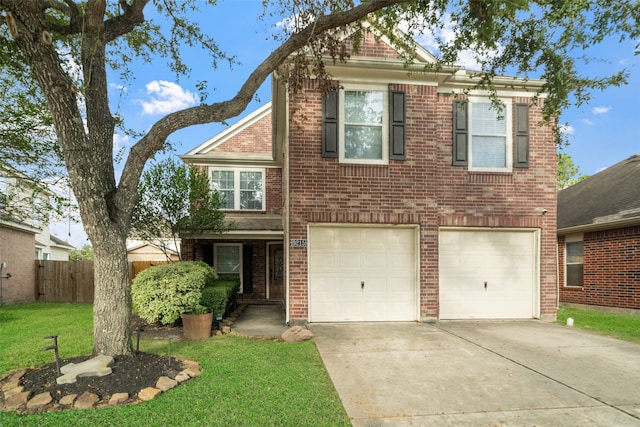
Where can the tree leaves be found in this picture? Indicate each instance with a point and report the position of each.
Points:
(176, 201)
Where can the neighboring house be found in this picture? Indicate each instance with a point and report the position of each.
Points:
(389, 199)
(24, 237)
(138, 250)
(59, 248)
(599, 239)
(50, 247)
(19, 224)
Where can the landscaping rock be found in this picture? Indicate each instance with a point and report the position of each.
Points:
(148, 393)
(86, 401)
(191, 368)
(182, 377)
(17, 400)
(297, 334)
(68, 399)
(166, 383)
(39, 400)
(13, 380)
(13, 391)
(118, 398)
(192, 372)
(226, 330)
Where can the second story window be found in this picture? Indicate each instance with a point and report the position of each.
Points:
(486, 139)
(364, 124)
(490, 138)
(36, 209)
(4, 192)
(363, 136)
(240, 189)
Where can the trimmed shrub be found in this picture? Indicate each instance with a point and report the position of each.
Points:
(220, 296)
(162, 293)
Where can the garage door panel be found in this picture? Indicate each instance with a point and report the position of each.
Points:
(384, 258)
(505, 260)
(349, 260)
(324, 261)
(347, 239)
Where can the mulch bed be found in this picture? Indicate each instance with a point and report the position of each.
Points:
(130, 374)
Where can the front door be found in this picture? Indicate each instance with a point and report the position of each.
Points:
(276, 271)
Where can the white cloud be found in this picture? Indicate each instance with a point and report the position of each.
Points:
(119, 141)
(587, 122)
(600, 110)
(567, 129)
(166, 97)
(121, 88)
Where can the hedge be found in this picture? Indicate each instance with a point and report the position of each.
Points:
(162, 293)
(220, 296)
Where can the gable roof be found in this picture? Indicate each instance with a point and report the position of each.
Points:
(59, 243)
(608, 199)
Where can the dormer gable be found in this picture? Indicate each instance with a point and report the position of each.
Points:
(248, 141)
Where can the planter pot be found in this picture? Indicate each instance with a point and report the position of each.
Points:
(197, 326)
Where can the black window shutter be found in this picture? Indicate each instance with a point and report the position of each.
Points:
(521, 145)
(460, 134)
(330, 124)
(247, 269)
(397, 118)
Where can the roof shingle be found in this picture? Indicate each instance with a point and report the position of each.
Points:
(611, 195)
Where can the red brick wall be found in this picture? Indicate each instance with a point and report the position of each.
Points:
(611, 269)
(424, 189)
(273, 187)
(255, 139)
(17, 249)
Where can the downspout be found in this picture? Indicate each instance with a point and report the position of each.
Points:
(285, 169)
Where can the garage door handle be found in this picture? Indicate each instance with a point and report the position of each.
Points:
(485, 285)
(362, 285)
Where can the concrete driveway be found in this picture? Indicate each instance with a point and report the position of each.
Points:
(524, 373)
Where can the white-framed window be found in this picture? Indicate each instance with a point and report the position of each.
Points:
(364, 134)
(574, 260)
(228, 259)
(490, 136)
(240, 189)
(4, 192)
(37, 205)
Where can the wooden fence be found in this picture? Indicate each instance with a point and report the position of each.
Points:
(72, 281)
(64, 281)
(136, 267)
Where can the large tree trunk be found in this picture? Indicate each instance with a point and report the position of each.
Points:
(112, 299)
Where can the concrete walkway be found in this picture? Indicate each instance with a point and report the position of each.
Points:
(526, 373)
(261, 321)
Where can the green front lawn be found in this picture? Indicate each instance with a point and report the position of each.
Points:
(622, 326)
(244, 382)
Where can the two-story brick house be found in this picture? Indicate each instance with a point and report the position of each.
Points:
(398, 197)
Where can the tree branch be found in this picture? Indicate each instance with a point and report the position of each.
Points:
(68, 8)
(123, 24)
(154, 140)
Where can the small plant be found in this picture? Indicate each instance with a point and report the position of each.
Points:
(199, 309)
(162, 293)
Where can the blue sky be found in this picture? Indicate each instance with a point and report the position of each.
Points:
(601, 133)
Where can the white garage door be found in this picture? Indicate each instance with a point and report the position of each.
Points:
(362, 274)
(488, 274)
